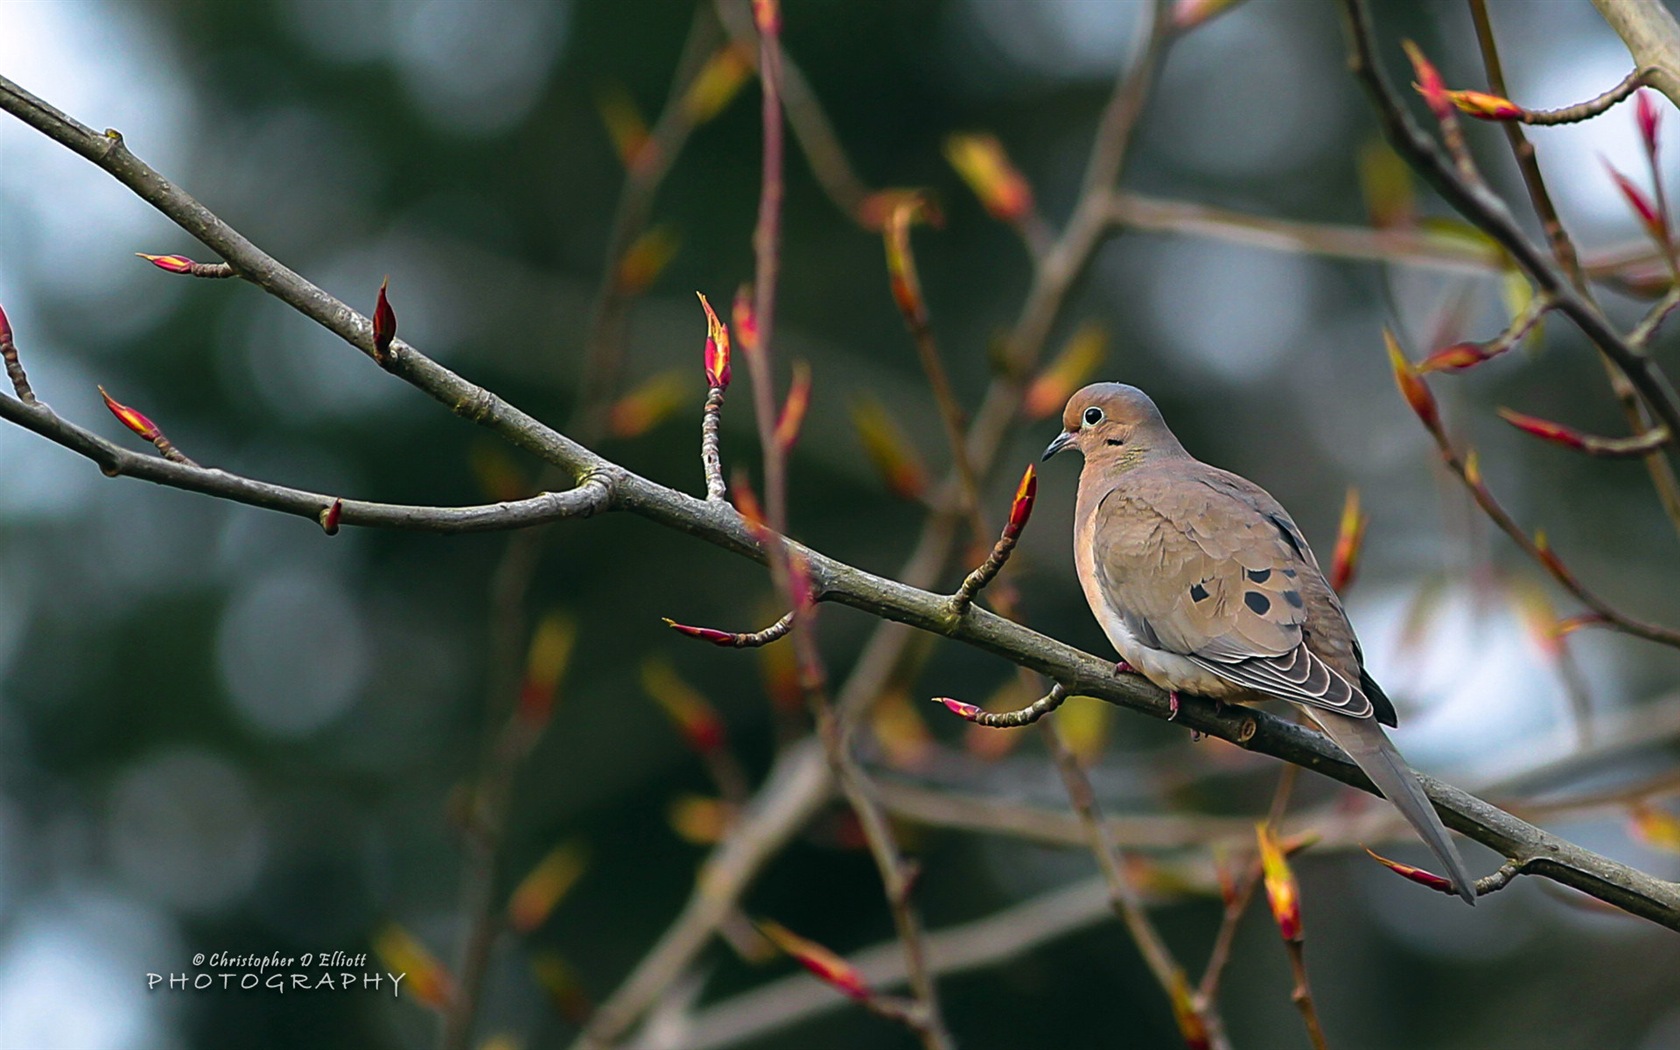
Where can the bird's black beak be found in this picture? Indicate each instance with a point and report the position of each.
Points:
(1063, 440)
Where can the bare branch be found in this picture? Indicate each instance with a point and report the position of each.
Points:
(1482, 207)
(1652, 36)
(590, 497)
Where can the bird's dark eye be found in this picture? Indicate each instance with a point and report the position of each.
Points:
(1093, 416)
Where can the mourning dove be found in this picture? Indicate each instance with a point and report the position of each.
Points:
(1204, 584)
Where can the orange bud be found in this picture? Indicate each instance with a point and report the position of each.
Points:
(717, 348)
(901, 264)
(1281, 889)
(1529, 602)
(1454, 358)
(903, 736)
(1386, 182)
(699, 820)
(745, 320)
(1429, 83)
(1548, 557)
(1071, 369)
(747, 504)
(1484, 106)
(1570, 624)
(792, 417)
(130, 418)
(985, 166)
(624, 123)
(1025, 493)
(172, 263)
(646, 259)
(888, 449)
(830, 968)
(564, 990)
(1655, 826)
(695, 718)
(767, 16)
(1191, 1027)
(1546, 430)
(874, 210)
(401, 952)
(647, 405)
(1645, 110)
(384, 324)
(329, 517)
(498, 477)
(967, 712)
(537, 894)
(1412, 387)
(1473, 469)
(717, 84)
(1417, 875)
(1350, 538)
(545, 663)
(1085, 725)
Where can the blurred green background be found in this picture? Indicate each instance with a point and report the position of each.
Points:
(225, 732)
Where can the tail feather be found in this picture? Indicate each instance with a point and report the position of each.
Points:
(1369, 747)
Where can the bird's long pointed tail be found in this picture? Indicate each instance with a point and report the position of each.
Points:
(1366, 743)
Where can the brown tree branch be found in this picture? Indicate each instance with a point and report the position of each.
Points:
(800, 782)
(1652, 36)
(589, 497)
(1483, 207)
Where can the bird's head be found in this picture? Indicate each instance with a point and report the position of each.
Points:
(1113, 422)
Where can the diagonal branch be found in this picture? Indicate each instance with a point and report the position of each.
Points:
(590, 497)
(1483, 207)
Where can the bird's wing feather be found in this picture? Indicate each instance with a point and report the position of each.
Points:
(1210, 567)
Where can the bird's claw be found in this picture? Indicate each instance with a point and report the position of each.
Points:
(1122, 667)
(1172, 705)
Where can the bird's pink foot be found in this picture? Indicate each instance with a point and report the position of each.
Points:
(1172, 704)
(1122, 667)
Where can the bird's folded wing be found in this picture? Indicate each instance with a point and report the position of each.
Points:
(1199, 566)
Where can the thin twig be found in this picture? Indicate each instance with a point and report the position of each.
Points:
(1483, 208)
(1580, 111)
(1124, 898)
(609, 312)
(907, 293)
(1657, 464)
(14, 366)
(737, 640)
(711, 460)
(924, 1017)
(1007, 719)
(1641, 335)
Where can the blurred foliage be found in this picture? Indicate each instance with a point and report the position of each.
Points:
(233, 734)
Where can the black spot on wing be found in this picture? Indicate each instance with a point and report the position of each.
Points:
(1259, 575)
(1259, 603)
(1293, 598)
(1198, 593)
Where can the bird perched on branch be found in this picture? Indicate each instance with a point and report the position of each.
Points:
(1205, 585)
